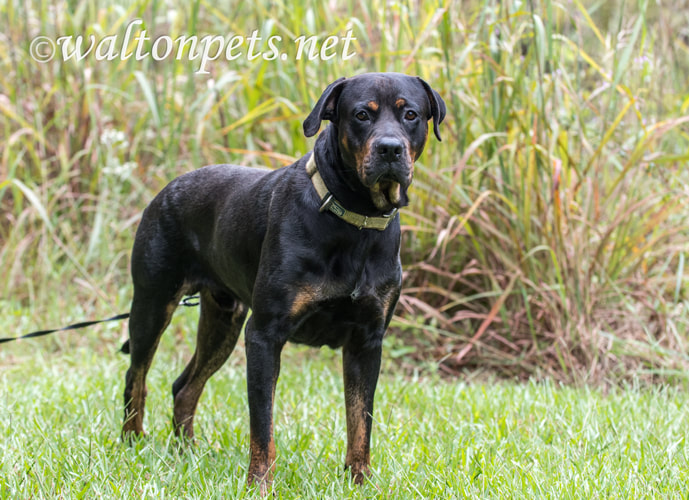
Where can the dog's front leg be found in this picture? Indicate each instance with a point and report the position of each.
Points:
(263, 367)
(360, 368)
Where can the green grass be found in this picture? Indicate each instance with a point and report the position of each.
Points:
(60, 402)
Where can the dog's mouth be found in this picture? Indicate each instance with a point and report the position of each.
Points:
(386, 193)
(387, 182)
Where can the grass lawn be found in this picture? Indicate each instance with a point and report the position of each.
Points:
(60, 414)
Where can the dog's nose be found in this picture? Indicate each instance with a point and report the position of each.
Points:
(389, 149)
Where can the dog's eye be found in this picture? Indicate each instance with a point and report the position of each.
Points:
(410, 115)
(362, 116)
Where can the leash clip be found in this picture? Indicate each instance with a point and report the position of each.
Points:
(190, 301)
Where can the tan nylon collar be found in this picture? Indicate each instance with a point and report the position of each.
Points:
(330, 203)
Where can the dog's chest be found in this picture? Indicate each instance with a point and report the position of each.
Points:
(337, 320)
(343, 303)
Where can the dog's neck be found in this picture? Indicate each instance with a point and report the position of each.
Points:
(341, 179)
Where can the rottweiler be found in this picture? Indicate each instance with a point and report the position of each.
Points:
(311, 248)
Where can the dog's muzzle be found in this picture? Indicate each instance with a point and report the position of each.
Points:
(389, 172)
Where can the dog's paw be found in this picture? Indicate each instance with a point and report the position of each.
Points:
(359, 472)
(263, 484)
(132, 436)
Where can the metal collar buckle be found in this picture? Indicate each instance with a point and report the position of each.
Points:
(327, 201)
(391, 213)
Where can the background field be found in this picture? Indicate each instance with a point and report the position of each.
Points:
(546, 240)
(547, 233)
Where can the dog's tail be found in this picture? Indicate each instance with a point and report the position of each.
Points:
(125, 347)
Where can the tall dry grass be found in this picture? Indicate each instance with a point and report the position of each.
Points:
(547, 233)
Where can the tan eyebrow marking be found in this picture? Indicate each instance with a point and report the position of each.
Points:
(400, 102)
(373, 105)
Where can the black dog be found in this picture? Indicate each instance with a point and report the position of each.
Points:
(312, 249)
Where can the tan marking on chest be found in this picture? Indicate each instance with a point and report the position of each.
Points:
(305, 296)
(388, 302)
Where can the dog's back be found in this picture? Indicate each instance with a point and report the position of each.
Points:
(199, 221)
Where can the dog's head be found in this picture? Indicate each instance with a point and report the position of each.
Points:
(381, 121)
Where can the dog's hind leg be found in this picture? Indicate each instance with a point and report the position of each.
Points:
(220, 324)
(149, 316)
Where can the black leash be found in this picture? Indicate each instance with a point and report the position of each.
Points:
(187, 302)
(75, 326)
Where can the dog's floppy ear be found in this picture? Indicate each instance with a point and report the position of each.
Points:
(437, 107)
(325, 108)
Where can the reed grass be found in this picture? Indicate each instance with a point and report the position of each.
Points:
(546, 236)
